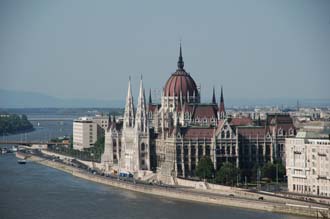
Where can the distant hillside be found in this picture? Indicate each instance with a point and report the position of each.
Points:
(22, 99)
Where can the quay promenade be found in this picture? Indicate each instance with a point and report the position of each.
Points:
(286, 206)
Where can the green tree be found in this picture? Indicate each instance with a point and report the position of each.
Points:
(205, 169)
(270, 170)
(227, 174)
(281, 171)
(99, 144)
(12, 123)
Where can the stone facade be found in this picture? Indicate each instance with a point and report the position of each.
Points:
(308, 164)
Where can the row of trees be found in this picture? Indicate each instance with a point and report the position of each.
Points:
(13, 123)
(228, 173)
(90, 154)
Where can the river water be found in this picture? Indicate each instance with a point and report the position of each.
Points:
(35, 191)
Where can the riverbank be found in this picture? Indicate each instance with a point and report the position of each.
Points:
(182, 194)
(25, 131)
(14, 124)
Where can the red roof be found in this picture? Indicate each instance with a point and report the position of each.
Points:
(279, 119)
(180, 81)
(193, 133)
(241, 121)
(205, 111)
(251, 132)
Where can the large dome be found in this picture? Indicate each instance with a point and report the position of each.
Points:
(180, 81)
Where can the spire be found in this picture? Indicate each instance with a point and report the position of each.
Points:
(129, 107)
(222, 112)
(259, 120)
(109, 120)
(180, 62)
(221, 98)
(214, 101)
(150, 100)
(141, 114)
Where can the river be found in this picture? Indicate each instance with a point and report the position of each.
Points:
(36, 191)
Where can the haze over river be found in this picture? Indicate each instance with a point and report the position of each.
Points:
(35, 191)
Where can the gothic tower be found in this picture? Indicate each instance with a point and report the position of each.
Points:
(222, 111)
(129, 108)
(141, 111)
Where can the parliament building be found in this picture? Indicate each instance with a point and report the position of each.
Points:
(170, 137)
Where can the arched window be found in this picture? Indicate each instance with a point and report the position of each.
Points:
(280, 132)
(228, 134)
(223, 134)
(143, 147)
(291, 131)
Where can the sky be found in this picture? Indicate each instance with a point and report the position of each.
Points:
(88, 49)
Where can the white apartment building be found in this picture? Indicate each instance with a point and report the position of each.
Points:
(84, 133)
(308, 164)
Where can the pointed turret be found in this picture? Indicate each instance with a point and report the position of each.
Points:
(141, 111)
(180, 61)
(109, 121)
(214, 101)
(222, 111)
(129, 107)
(150, 99)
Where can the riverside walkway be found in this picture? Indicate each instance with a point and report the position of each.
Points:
(281, 205)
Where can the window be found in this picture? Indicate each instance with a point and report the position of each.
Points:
(280, 132)
(291, 132)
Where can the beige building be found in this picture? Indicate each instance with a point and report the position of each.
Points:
(308, 164)
(84, 133)
(101, 121)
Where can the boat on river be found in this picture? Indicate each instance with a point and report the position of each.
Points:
(14, 149)
(3, 151)
(22, 161)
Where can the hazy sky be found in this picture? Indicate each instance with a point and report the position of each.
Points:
(88, 49)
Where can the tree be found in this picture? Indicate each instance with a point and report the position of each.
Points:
(270, 170)
(281, 171)
(99, 144)
(227, 174)
(205, 169)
